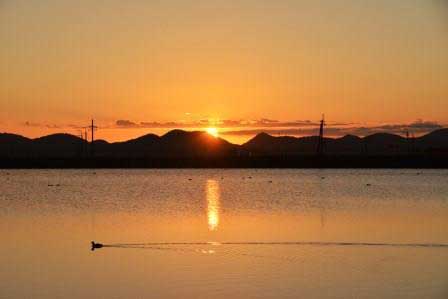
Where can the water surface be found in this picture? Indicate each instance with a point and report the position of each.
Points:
(49, 217)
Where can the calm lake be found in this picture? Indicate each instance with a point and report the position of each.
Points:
(49, 217)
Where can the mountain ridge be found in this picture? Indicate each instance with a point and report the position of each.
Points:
(180, 143)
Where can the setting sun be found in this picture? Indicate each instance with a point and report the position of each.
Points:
(213, 132)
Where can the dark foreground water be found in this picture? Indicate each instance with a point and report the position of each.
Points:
(48, 218)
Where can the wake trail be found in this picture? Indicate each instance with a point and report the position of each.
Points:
(295, 243)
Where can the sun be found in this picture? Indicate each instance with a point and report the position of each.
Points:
(213, 132)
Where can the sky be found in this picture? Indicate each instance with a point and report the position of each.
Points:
(243, 66)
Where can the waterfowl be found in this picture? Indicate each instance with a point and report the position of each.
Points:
(96, 245)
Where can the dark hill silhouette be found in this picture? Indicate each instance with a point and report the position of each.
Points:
(176, 143)
(13, 138)
(12, 144)
(58, 139)
(385, 143)
(148, 139)
(266, 144)
(101, 142)
(141, 146)
(196, 144)
(375, 144)
(349, 139)
(435, 139)
(57, 145)
(349, 144)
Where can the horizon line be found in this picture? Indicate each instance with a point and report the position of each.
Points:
(220, 137)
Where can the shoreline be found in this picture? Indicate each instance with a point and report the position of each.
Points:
(397, 162)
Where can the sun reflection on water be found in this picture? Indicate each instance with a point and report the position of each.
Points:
(213, 194)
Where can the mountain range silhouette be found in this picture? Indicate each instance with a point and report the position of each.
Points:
(179, 144)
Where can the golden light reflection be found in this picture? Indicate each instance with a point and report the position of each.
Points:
(213, 195)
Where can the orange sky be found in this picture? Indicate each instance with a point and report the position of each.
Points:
(370, 62)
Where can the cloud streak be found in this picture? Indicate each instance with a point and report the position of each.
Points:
(51, 126)
(226, 123)
(229, 127)
(418, 127)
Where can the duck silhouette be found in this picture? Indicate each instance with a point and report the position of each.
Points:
(96, 245)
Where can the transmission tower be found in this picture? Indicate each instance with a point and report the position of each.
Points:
(320, 141)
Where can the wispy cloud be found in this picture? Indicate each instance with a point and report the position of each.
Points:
(229, 127)
(40, 125)
(225, 123)
(418, 127)
(52, 126)
(126, 123)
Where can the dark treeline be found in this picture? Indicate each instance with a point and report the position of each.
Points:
(179, 148)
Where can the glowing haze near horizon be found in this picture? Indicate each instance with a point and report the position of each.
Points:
(364, 62)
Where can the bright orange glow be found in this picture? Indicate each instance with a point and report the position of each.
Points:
(269, 61)
(212, 192)
(213, 131)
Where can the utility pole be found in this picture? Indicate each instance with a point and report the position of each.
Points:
(92, 129)
(408, 142)
(81, 145)
(320, 141)
(85, 143)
